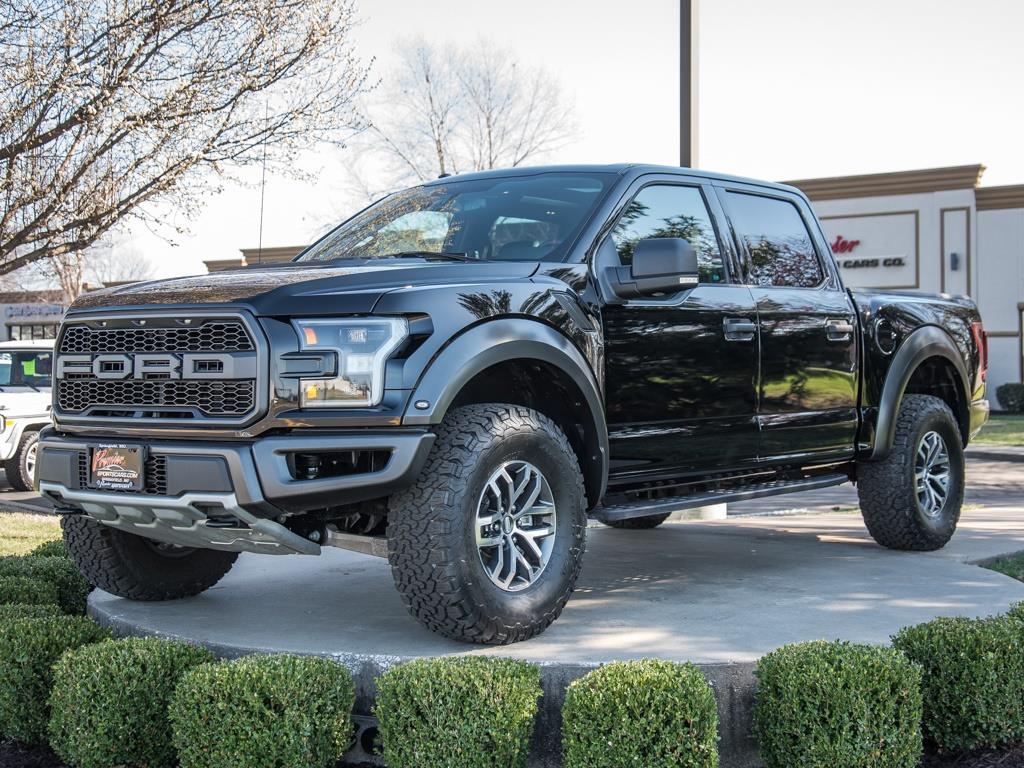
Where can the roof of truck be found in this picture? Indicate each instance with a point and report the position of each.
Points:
(612, 168)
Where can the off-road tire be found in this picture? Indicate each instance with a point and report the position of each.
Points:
(887, 487)
(638, 523)
(130, 566)
(431, 538)
(18, 475)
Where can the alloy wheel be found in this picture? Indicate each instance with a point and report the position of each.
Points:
(932, 474)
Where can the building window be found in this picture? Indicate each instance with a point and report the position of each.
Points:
(26, 332)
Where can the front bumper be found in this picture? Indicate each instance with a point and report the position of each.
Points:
(228, 495)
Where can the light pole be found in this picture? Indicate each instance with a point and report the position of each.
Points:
(688, 32)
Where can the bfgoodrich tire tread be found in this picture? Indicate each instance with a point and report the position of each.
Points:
(125, 565)
(886, 487)
(427, 524)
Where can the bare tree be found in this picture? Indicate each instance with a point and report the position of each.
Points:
(109, 108)
(445, 110)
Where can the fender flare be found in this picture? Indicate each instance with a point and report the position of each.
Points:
(498, 341)
(929, 341)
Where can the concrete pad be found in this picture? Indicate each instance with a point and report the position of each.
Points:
(720, 594)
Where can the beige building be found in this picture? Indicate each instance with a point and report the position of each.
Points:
(935, 230)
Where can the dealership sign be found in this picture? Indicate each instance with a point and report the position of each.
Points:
(875, 250)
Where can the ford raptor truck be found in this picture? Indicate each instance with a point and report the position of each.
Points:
(461, 374)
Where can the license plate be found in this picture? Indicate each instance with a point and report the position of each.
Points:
(116, 467)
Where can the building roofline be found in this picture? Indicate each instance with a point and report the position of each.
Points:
(894, 183)
(994, 198)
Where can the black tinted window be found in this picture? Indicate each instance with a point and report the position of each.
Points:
(781, 251)
(670, 211)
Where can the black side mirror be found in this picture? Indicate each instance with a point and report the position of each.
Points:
(660, 265)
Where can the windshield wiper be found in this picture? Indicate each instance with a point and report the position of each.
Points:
(431, 255)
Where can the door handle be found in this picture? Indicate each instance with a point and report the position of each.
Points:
(739, 328)
(838, 330)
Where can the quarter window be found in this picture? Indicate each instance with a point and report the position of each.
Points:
(780, 247)
(666, 210)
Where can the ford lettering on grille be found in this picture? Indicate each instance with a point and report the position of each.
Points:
(159, 368)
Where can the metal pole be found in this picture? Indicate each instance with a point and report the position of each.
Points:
(688, 59)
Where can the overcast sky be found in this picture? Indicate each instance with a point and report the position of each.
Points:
(788, 89)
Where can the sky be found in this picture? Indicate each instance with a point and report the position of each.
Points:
(788, 89)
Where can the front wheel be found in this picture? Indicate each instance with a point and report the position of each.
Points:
(486, 546)
(21, 467)
(911, 499)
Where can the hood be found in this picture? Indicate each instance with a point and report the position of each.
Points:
(306, 288)
(21, 401)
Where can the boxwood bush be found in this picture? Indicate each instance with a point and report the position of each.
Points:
(263, 712)
(28, 650)
(21, 590)
(973, 680)
(648, 714)
(1011, 397)
(467, 712)
(72, 588)
(54, 548)
(838, 705)
(10, 612)
(109, 701)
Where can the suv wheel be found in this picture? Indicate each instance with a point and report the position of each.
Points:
(638, 523)
(138, 568)
(911, 499)
(486, 546)
(21, 467)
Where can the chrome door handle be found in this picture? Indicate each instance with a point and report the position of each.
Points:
(739, 328)
(838, 330)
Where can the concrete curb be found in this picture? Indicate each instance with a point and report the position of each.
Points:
(733, 684)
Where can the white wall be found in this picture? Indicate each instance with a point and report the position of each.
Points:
(999, 290)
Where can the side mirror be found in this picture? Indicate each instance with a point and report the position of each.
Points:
(660, 265)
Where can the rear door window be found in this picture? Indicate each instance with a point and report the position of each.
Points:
(776, 238)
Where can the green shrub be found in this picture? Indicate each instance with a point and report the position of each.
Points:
(649, 714)
(467, 712)
(109, 701)
(973, 680)
(28, 650)
(22, 590)
(838, 705)
(12, 611)
(1016, 611)
(1011, 397)
(72, 588)
(54, 548)
(263, 712)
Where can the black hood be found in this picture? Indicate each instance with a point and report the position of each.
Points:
(307, 288)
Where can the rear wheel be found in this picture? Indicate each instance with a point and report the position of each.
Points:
(911, 500)
(139, 568)
(486, 546)
(21, 467)
(638, 523)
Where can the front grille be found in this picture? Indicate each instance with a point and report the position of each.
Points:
(210, 398)
(155, 474)
(216, 336)
(150, 367)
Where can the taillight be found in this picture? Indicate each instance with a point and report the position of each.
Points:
(981, 342)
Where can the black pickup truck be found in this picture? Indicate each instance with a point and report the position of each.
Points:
(461, 374)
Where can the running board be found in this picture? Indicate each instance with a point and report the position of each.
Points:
(721, 496)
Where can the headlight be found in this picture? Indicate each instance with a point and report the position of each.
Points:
(363, 347)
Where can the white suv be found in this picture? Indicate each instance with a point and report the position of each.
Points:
(26, 375)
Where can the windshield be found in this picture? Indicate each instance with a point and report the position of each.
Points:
(26, 368)
(510, 218)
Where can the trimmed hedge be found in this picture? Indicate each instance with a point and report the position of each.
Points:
(12, 611)
(467, 712)
(1011, 397)
(72, 588)
(838, 705)
(22, 590)
(54, 548)
(109, 701)
(263, 712)
(654, 714)
(28, 650)
(973, 680)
